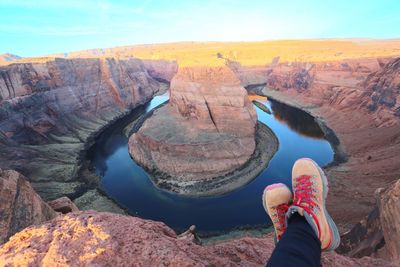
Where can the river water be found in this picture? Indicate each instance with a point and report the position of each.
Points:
(128, 184)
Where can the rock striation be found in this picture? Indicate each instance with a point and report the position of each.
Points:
(378, 234)
(20, 206)
(106, 239)
(383, 87)
(206, 131)
(341, 94)
(364, 239)
(389, 207)
(50, 112)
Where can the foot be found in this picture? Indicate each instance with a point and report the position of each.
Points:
(310, 189)
(276, 200)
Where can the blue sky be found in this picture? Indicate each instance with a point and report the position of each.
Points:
(31, 28)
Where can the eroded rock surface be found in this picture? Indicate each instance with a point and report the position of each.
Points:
(364, 239)
(20, 206)
(105, 239)
(206, 131)
(340, 94)
(63, 205)
(50, 111)
(389, 206)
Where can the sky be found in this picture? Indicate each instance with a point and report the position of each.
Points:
(33, 28)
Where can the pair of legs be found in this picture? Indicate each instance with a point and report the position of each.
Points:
(303, 227)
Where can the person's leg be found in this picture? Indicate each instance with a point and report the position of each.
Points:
(308, 228)
(298, 247)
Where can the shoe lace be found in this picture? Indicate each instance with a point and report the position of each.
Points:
(281, 214)
(304, 197)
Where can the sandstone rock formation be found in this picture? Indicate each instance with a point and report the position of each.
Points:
(94, 200)
(364, 239)
(20, 206)
(63, 205)
(340, 93)
(378, 234)
(50, 111)
(389, 206)
(106, 239)
(161, 70)
(383, 88)
(207, 130)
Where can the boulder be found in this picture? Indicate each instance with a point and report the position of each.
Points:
(20, 206)
(63, 205)
(51, 110)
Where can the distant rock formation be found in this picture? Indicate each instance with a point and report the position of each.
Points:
(20, 206)
(7, 57)
(207, 129)
(106, 239)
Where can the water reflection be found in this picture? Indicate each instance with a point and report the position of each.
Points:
(297, 120)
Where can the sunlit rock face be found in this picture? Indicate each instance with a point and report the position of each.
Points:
(207, 129)
(49, 110)
(104, 239)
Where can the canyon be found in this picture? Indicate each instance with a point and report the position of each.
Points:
(359, 100)
(52, 109)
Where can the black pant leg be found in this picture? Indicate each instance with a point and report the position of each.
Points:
(298, 247)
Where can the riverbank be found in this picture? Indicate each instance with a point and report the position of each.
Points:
(126, 182)
(365, 155)
(340, 155)
(266, 146)
(92, 196)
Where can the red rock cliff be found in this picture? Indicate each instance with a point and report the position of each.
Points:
(49, 110)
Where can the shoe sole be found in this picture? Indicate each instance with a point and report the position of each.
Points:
(333, 228)
(265, 204)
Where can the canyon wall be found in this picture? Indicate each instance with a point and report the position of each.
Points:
(20, 205)
(359, 100)
(49, 111)
(388, 200)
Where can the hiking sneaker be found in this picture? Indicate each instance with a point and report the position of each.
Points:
(310, 189)
(276, 200)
